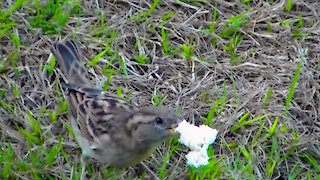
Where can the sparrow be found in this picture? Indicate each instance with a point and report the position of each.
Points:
(107, 128)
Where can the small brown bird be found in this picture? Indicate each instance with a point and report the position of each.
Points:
(108, 128)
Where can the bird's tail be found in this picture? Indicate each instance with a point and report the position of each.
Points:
(68, 56)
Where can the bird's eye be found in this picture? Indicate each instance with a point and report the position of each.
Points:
(159, 120)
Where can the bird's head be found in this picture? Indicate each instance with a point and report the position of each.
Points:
(152, 124)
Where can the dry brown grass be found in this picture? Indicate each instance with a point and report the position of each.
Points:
(269, 59)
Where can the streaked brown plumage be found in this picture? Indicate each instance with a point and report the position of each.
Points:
(107, 128)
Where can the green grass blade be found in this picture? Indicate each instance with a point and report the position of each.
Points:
(97, 58)
(313, 162)
(52, 154)
(186, 51)
(241, 120)
(30, 137)
(65, 156)
(267, 97)
(244, 117)
(141, 58)
(69, 129)
(164, 41)
(288, 5)
(224, 98)
(212, 112)
(270, 167)
(163, 172)
(16, 5)
(254, 120)
(16, 92)
(51, 66)
(119, 91)
(300, 23)
(273, 128)
(246, 153)
(153, 6)
(215, 13)
(123, 67)
(34, 124)
(292, 87)
(15, 39)
(168, 16)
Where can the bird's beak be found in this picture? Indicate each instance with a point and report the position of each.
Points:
(171, 130)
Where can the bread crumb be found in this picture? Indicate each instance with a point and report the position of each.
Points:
(198, 140)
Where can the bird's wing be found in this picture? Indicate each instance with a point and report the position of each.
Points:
(96, 114)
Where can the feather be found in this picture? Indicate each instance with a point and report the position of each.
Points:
(67, 56)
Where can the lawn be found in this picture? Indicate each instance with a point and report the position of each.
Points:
(248, 68)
